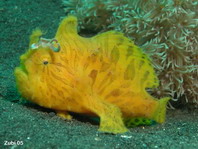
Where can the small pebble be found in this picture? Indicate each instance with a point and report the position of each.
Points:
(126, 137)
(97, 139)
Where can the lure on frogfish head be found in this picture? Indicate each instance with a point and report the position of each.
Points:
(43, 42)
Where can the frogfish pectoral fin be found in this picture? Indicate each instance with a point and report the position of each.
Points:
(63, 115)
(110, 115)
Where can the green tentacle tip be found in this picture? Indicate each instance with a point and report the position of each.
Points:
(138, 121)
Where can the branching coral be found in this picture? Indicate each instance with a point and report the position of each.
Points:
(166, 29)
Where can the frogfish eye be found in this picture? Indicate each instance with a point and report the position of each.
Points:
(45, 62)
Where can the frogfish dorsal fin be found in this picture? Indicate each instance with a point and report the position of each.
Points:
(67, 27)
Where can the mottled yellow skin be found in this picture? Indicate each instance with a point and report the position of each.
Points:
(105, 75)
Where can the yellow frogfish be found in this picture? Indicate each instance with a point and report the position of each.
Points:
(105, 75)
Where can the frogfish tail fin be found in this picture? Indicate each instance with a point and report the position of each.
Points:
(160, 114)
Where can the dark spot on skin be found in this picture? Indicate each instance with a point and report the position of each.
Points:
(136, 120)
(105, 66)
(72, 22)
(146, 74)
(120, 41)
(141, 63)
(45, 62)
(148, 84)
(145, 77)
(129, 51)
(115, 92)
(115, 54)
(93, 74)
(130, 71)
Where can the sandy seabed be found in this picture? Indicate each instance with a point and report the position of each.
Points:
(32, 127)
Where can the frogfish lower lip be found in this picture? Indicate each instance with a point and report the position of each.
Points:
(20, 70)
(23, 68)
(21, 78)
